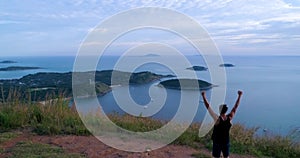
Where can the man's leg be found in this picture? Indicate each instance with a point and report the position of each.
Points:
(216, 150)
(225, 150)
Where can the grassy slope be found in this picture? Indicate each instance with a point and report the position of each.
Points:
(57, 118)
(26, 149)
(32, 150)
(41, 86)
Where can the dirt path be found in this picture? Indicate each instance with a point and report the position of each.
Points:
(93, 148)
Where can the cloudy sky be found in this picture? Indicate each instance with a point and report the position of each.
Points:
(239, 27)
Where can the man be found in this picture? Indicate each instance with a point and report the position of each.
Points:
(222, 126)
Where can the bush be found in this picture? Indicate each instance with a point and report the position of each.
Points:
(52, 118)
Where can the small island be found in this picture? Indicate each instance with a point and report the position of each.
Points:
(186, 84)
(18, 68)
(7, 62)
(226, 65)
(151, 55)
(197, 68)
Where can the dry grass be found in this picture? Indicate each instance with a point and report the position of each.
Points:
(56, 117)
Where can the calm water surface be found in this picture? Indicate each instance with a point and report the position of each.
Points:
(271, 87)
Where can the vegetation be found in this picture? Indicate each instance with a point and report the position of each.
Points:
(55, 117)
(197, 68)
(245, 141)
(226, 65)
(201, 155)
(5, 136)
(17, 68)
(7, 62)
(186, 84)
(125, 78)
(151, 55)
(37, 87)
(35, 150)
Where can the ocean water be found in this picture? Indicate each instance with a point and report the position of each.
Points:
(270, 84)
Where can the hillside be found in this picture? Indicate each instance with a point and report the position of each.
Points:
(38, 86)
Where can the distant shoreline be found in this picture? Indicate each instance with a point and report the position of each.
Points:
(19, 68)
(41, 84)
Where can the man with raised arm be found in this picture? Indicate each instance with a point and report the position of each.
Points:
(222, 126)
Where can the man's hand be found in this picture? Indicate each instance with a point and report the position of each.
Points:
(203, 93)
(232, 113)
(206, 103)
(240, 92)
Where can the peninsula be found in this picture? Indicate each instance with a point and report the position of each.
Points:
(40, 85)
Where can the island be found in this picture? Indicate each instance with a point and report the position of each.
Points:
(186, 84)
(39, 86)
(197, 68)
(151, 55)
(7, 62)
(18, 68)
(226, 65)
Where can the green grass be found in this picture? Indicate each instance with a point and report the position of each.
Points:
(201, 155)
(55, 117)
(51, 119)
(6, 136)
(136, 124)
(38, 150)
(244, 140)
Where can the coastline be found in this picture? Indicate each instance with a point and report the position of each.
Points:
(256, 75)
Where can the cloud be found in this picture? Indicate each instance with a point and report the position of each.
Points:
(249, 38)
(287, 17)
(234, 22)
(11, 22)
(34, 34)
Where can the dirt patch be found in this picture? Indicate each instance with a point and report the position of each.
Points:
(91, 147)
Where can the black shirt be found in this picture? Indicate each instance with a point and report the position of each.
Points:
(221, 130)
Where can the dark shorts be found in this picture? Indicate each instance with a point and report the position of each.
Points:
(218, 148)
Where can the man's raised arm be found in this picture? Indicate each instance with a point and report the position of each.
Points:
(211, 112)
(237, 103)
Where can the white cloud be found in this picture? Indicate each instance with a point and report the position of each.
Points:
(287, 17)
(92, 44)
(11, 22)
(235, 22)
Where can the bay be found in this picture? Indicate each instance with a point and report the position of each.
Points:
(270, 83)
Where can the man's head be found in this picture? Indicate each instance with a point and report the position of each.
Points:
(223, 108)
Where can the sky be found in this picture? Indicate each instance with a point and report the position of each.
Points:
(238, 27)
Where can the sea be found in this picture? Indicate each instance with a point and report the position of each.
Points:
(271, 86)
